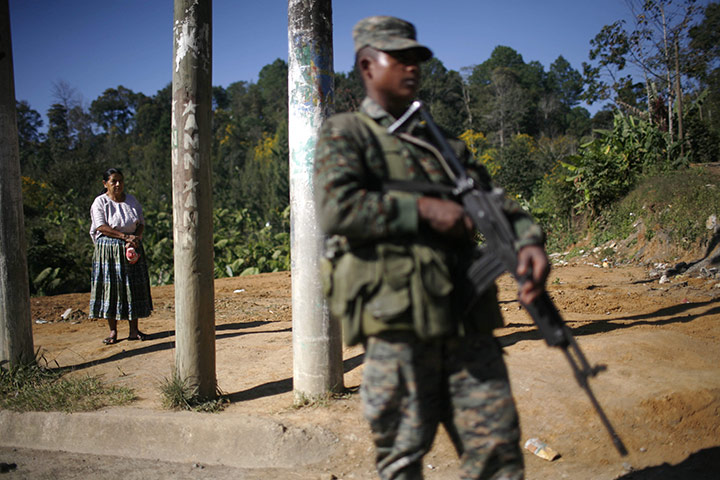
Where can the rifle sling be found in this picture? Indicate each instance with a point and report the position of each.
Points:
(416, 186)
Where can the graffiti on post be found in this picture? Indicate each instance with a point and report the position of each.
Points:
(313, 87)
(192, 39)
(311, 98)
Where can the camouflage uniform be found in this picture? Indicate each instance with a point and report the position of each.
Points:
(399, 288)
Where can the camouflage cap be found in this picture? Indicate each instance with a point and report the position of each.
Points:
(387, 34)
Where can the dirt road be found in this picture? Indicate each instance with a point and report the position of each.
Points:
(661, 390)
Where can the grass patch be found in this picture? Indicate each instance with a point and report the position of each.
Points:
(576, 251)
(303, 400)
(559, 238)
(33, 387)
(178, 394)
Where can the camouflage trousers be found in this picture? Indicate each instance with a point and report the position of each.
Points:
(409, 387)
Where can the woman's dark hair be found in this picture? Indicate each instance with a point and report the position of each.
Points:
(106, 176)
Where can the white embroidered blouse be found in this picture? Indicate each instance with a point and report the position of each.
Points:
(121, 216)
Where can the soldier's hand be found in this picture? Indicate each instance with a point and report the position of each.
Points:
(444, 216)
(532, 260)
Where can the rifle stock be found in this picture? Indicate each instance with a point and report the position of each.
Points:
(484, 207)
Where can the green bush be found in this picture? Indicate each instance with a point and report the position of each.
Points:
(58, 244)
(553, 207)
(606, 168)
(245, 247)
(520, 166)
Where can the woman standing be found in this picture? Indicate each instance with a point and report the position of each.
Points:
(120, 282)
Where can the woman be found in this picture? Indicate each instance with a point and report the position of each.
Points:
(120, 282)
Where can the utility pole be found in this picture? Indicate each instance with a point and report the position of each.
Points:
(317, 347)
(16, 341)
(192, 196)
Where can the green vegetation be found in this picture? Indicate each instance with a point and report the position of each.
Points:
(678, 203)
(178, 394)
(34, 387)
(521, 120)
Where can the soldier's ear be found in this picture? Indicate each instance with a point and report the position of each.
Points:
(365, 59)
(364, 65)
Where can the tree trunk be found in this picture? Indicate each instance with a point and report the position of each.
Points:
(648, 93)
(679, 95)
(666, 53)
(467, 100)
(16, 341)
(317, 348)
(192, 196)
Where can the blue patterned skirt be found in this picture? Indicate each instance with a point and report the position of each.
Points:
(120, 290)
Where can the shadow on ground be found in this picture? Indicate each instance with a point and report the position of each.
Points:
(283, 386)
(702, 465)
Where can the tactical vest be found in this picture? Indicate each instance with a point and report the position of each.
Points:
(399, 285)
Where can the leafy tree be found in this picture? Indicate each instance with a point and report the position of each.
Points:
(250, 150)
(655, 46)
(489, 82)
(272, 88)
(29, 123)
(153, 118)
(603, 119)
(30, 138)
(481, 150)
(520, 167)
(565, 81)
(58, 129)
(78, 120)
(220, 98)
(348, 91)
(113, 111)
(611, 47)
(705, 48)
(441, 91)
(578, 123)
(501, 57)
(550, 110)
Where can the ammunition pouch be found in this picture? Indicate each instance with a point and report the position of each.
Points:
(389, 287)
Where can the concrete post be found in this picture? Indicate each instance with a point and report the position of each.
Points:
(192, 195)
(16, 341)
(317, 347)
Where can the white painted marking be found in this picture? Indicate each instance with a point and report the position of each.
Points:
(190, 123)
(190, 141)
(190, 185)
(189, 108)
(191, 159)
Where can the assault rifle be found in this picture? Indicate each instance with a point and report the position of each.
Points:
(484, 207)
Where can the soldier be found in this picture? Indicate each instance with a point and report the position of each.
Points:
(394, 274)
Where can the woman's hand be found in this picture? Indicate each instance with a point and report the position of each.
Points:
(133, 240)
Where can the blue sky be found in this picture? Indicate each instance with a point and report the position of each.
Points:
(93, 45)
